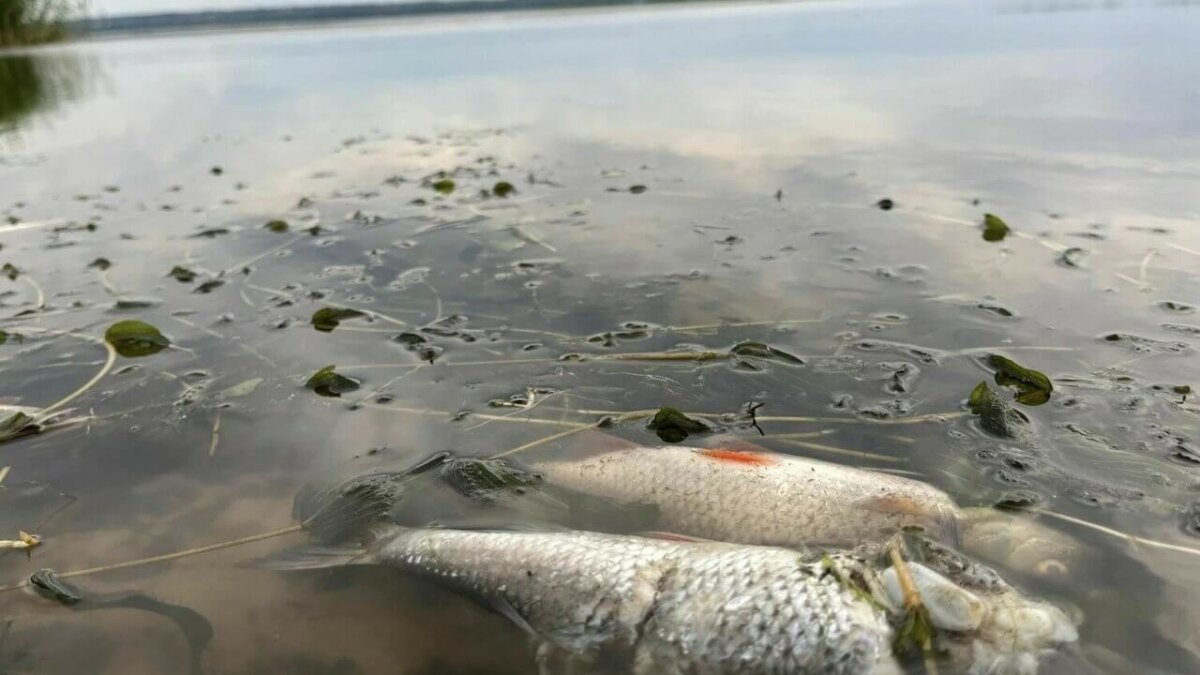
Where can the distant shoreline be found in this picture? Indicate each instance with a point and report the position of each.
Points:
(285, 16)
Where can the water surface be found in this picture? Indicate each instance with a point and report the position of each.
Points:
(764, 139)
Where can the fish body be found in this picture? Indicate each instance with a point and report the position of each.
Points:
(649, 606)
(758, 497)
(659, 606)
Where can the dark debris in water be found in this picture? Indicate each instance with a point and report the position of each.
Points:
(996, 416)
(328, 318)
(672, 426)
(328, 382)
(1033, 387)
(182, 274)
(133, 338)
(994, 228)
(1072, 258)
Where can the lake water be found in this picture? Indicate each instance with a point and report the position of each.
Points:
(684, 178)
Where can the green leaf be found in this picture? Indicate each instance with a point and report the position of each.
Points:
(994, 229)
(328, 318)
(278, 226)
(135, 338)
(672, 426)
(16, 425)
(182, 274)
(9, 271)
(764, 351)
(503, 189)
(326, 382)
(209, 286)
(996, 415)
(101, 264)
(637, 189)
(914, 633)
(1033, 387)
(444, 186)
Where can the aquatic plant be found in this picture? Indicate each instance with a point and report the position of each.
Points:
(28, 22)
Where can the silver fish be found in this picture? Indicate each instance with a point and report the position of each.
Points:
(649, 606)
(739, 492)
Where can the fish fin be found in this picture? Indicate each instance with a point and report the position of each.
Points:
(673, 536)
(342, 511)
(947, 529)
(504, 608)
(314, 557)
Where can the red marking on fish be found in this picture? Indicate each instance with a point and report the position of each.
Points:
(738, 457)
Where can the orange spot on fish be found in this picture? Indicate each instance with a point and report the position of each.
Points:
(738, 457)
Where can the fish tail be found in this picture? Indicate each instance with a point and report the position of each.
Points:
(349, 509)
(947, 528)
(317, 557)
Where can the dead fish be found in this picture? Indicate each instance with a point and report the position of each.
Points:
(662, 607)
(742, 493)
(739, 492)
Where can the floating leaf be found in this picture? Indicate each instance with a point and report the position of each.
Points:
(210, 232)
(764, 351)
(279, 226)
(47, 583)
(101, 264)
(216, 171)
(1072, 257)
(672, 426)
(9, 271)
(444, 186)
(1033, 387)
(994, 229)
(637, 189)
(209, 286)
(16, 425)
(328, 318)
(325, 382)
(885, 204)
(182, 274)
(996, 416)
(503, 189)
(135, 338)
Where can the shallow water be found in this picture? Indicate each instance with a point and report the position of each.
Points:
(764, 138)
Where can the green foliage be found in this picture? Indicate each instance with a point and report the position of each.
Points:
(326, 382)
(1033, 387)
(328, 318)
(135, 338)
(672, 426)
(27, 22)
(994, 228)
(996, 416)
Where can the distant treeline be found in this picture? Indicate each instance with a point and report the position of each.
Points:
(288, 15)
(27, 22)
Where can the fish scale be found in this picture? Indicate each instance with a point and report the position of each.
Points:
(666, 607)
(720, 494)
